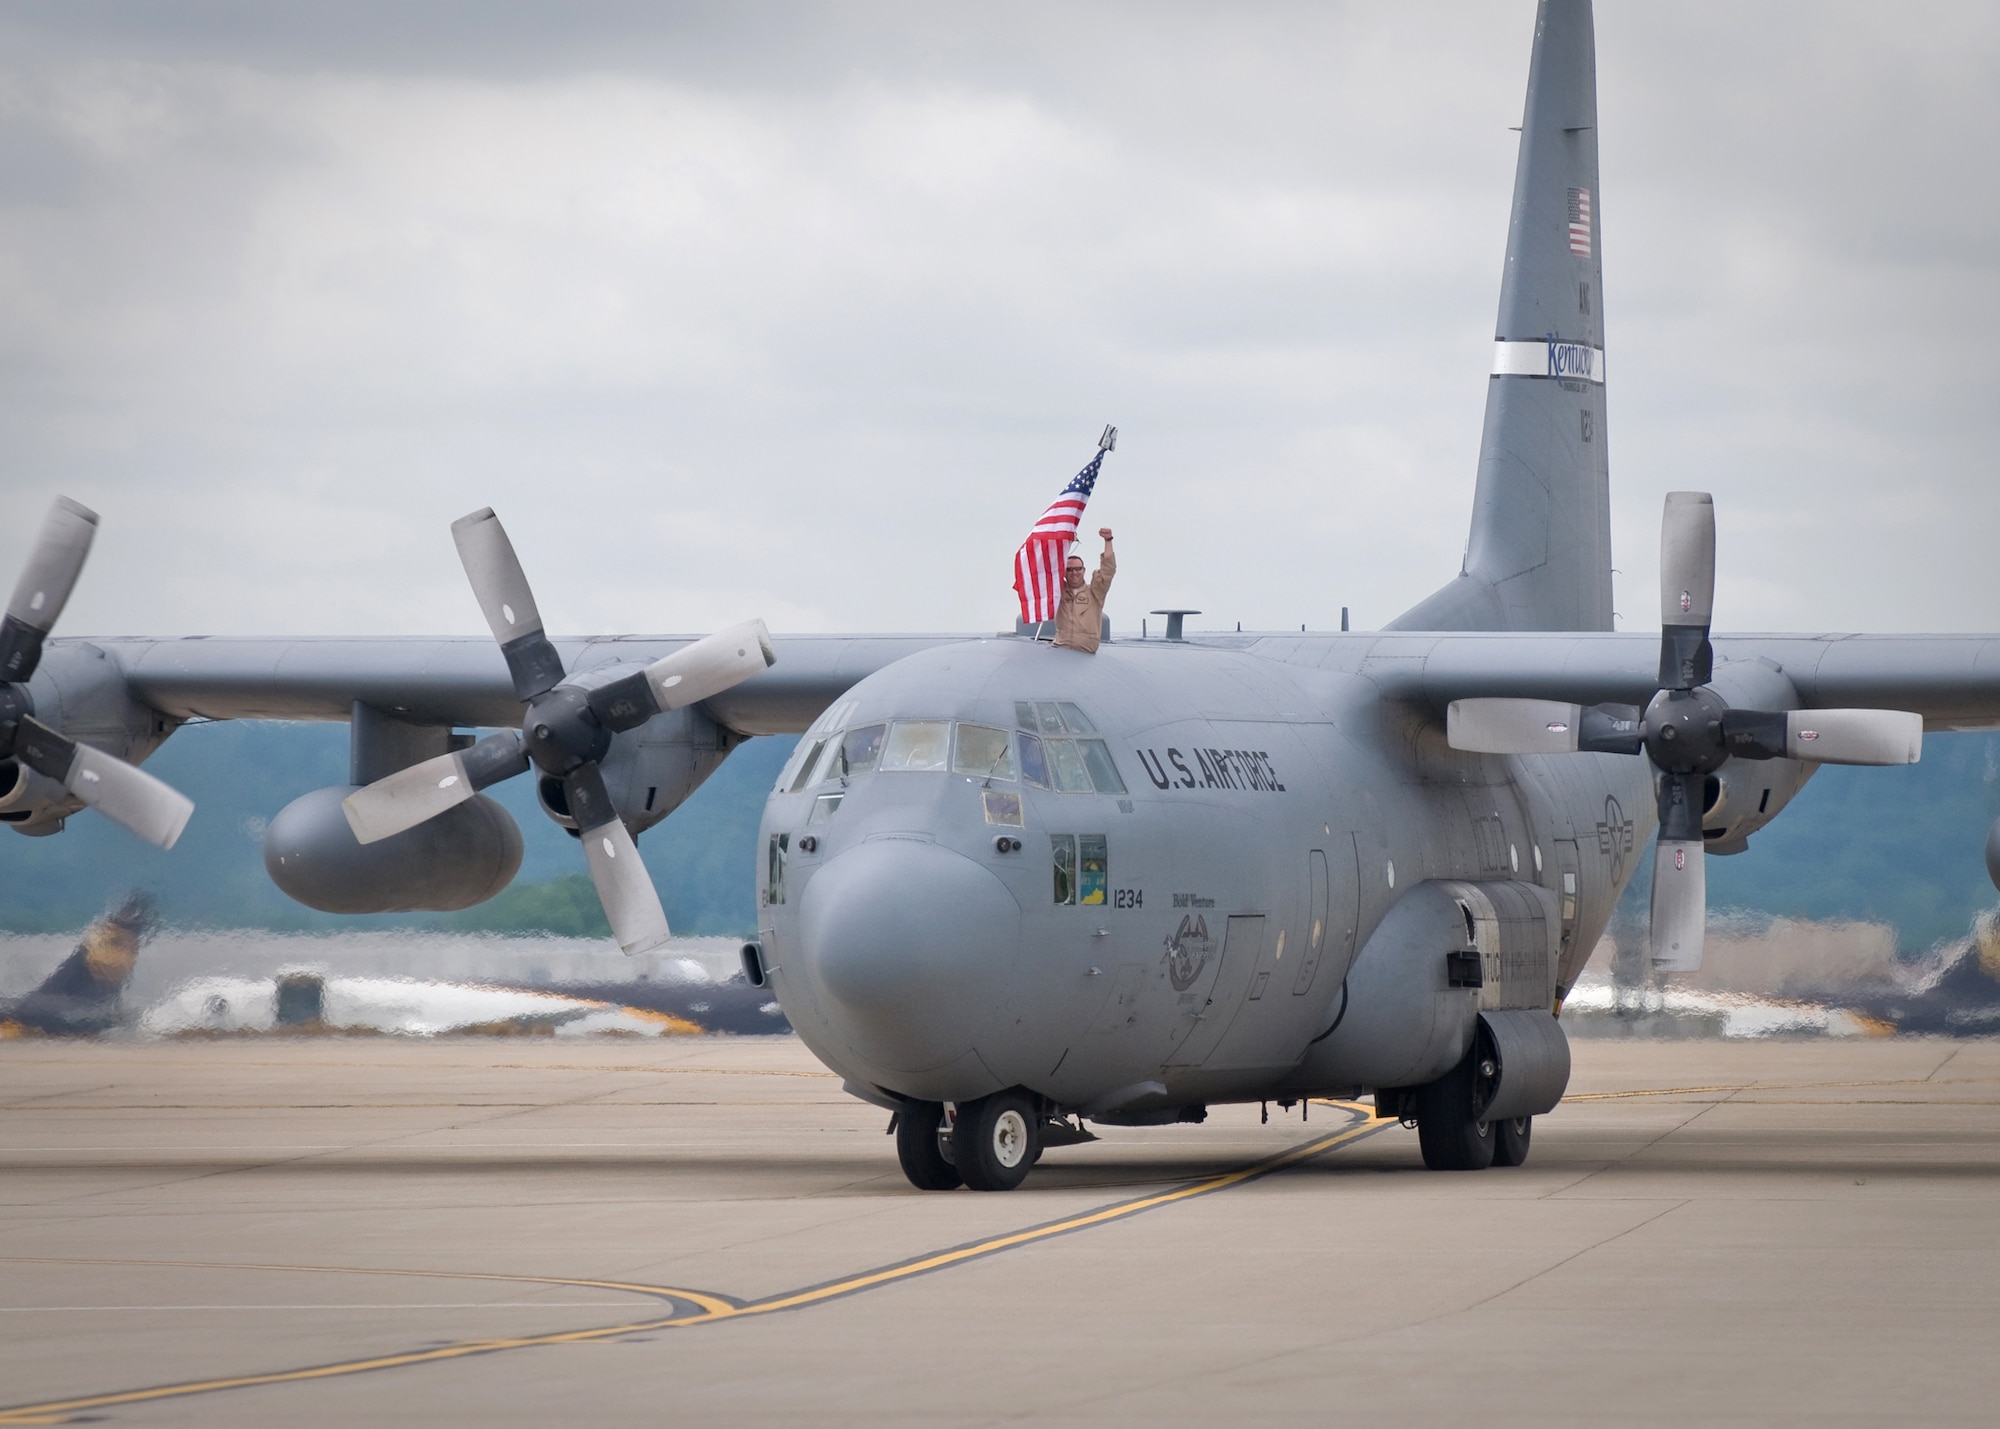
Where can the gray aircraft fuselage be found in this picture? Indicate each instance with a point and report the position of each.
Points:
(1271, 814)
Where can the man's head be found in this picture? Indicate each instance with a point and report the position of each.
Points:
(1073, 571)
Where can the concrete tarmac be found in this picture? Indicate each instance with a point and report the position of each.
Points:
(333, 1231)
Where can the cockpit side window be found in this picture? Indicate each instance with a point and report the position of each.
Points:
(861, 748)
(1034, 762)
(983, 752)
(1103, 773)
(806, 765)
(916, 744)
(829, 765)
(1072, 776)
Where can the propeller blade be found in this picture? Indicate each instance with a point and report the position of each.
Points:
(123, 793)
(53, 566)
(1504, 726)
(423, 791)
(689, 675)
(1680, 905)
(507, 601)
(1680, 885)
(1687, 589)
(1826, 736)
(711, 665)
(631, 903)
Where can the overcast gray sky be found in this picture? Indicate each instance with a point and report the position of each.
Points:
(805, 311)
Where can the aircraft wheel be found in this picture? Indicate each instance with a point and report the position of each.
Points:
(1451, 1134)
(918, 1126)
(996, 1140)
(1510, 1140)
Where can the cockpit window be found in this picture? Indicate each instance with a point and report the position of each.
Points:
(1052, 717)
(811, 750)
(1084, 766)
(852, 753)
(1034, 762)
(983, 752)
(1103, 773)
(861, 748)
(1071, 775)
(916, 744)
(827, 766)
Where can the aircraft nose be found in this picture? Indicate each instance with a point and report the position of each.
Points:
(914, 946)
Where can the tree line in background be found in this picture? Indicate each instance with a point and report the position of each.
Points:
(1898, 846)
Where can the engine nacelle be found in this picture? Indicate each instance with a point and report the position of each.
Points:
(651, 770)
(1746, 794)
(79, 690)
(460, 858)
(33, 803)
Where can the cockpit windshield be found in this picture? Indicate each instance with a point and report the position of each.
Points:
(1064, 763)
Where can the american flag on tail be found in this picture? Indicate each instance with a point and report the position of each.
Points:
(1579, 223)
(1038, 565)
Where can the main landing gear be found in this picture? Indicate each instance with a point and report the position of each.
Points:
(991, 1145)
(1449, 1128)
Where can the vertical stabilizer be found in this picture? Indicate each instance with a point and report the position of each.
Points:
(1539, 557)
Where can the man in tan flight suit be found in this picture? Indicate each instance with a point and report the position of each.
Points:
(1080, 616)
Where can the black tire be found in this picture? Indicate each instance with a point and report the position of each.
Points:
(924, 1161)
(996, 1140)
(1510, 1140)
(1451, 1134)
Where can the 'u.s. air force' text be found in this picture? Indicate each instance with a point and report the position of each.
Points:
(1212, 769)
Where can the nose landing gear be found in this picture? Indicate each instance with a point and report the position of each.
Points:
(996, 1141)
(990, 1146)
(920, 1147)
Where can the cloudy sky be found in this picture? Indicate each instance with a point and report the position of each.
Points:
(805, 311)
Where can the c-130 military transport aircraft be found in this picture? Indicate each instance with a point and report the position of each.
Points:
(1003, 885)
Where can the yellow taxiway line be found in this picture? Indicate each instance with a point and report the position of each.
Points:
(704, 1308)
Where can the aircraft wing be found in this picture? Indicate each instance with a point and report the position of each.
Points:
(1953, 681)
(464, 681)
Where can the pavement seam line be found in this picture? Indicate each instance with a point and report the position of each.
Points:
(717, 1308)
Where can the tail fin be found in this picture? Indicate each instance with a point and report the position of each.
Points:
(1540, 553)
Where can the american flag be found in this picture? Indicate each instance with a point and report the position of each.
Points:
(1579, 222)
(1038, 565)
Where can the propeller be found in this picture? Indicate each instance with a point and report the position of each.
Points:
(122, 792)
(566, 733)
(1687, 730)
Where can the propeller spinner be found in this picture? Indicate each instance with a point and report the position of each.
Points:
(1687, 730)
(566, 733)
(122, 792)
